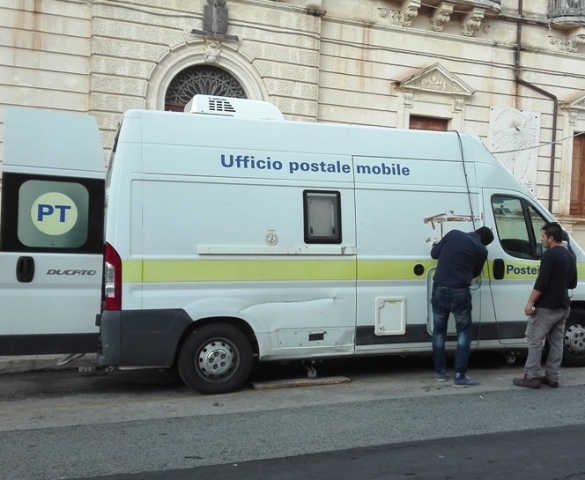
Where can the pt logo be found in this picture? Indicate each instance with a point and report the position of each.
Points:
(54, 213)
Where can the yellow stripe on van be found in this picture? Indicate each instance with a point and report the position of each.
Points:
(392, 269)
(150, 271)
(269, 270)
(132, 271)
(244, 270)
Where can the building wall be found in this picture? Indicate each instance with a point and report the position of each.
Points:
(45, 47)
(351, 61)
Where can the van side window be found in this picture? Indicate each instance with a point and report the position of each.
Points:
(518, 225)
(46, 214)
(322, 216)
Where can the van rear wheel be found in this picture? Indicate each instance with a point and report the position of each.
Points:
(216, 358)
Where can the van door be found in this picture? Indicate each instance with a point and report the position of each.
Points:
(396, 226)
(51, 232)
(515, 259)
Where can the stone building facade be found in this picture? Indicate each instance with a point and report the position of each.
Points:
(508, 71)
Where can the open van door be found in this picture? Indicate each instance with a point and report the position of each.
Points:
(51, 232)
(516, 253)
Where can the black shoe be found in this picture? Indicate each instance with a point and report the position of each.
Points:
(527, 382)
(549, 382)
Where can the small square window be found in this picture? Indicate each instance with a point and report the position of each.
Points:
(322, 211)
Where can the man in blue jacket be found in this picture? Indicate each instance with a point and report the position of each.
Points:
(461, 258)
(547, 308)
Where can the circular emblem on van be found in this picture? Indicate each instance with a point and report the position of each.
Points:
(271, 238)
(54, 213)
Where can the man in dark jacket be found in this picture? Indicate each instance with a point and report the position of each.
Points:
(461, 258)
(547, 308)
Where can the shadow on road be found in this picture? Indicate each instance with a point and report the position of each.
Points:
(47, 384)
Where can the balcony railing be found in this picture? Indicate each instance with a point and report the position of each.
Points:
(567, 12)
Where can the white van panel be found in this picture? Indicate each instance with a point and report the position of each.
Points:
(51, 143)
(51, 232)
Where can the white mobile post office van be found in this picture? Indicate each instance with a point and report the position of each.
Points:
(230, 239)
(51, 232)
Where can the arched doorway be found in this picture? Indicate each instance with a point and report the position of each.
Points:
(204, 79)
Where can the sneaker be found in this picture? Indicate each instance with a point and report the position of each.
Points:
(441, 377)
(549, 382)
(464, 382)
(527, 382)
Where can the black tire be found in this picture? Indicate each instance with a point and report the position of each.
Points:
(216, 358)
(574, 342)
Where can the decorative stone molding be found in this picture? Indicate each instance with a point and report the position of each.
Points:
(426, 84)
(458, 104)
(441, 16)
(404, 16)
(575, 108)
(438, 79)
(212, 51)
(568, 44)
(472, 22)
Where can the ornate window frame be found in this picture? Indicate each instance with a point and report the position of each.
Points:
(573, 123)
(201, 52)
(424, 87)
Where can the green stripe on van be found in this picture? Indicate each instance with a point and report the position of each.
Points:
(245, 270)
(181, 271)
(393, 269)
(269, 270)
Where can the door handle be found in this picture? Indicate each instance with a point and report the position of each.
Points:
(25, 269)
(499, 269)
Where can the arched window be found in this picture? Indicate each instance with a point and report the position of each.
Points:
(204, 79)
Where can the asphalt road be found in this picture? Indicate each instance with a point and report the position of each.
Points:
(392, 421)
(556, 455)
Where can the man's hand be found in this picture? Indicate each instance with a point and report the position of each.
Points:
(529, 309)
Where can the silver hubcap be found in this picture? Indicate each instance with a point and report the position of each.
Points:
(216, 358)
(575, 339)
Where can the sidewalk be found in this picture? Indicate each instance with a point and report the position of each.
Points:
(31, 363)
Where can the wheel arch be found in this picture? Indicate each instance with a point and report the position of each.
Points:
(237, 322)
(578, 305)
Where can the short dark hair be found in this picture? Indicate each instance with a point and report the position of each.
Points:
(553, 229)
(486, 236)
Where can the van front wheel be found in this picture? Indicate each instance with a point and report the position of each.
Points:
(574, 351)
(216, 358)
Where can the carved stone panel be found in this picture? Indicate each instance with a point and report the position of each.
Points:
(438, 79)
(215, 17)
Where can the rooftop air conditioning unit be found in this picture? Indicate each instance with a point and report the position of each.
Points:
(233, 107)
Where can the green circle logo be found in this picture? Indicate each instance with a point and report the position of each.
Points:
(54, 213)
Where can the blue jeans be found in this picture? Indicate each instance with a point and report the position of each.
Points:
(457, 301)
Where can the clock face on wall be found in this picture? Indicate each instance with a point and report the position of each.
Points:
(513, 134)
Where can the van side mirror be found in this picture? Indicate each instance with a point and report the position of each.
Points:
(539, 250)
